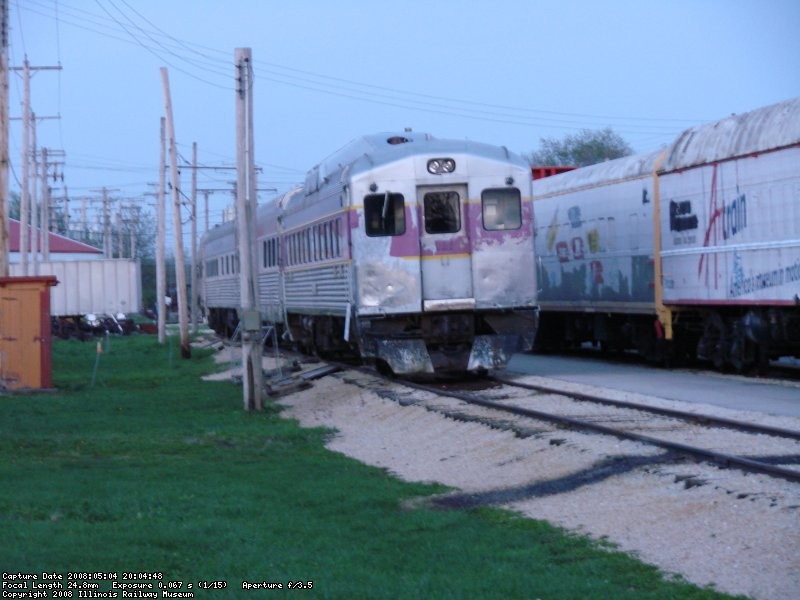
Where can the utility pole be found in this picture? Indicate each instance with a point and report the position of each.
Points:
(246, 202)
(207, 191)
(34, 199)
(84, 220)
(132, 220)
(108, 250)
(180, 262)
(120, 237)
(4, 158)
(205, 209)
(108, 243)
(195, 311)
(44, 220)
(66, 210)
(28, 133)
(161, 268)
(195, 167)
(24, 203)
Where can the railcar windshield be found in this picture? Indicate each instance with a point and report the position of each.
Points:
(442, 212)
(501, 208)
(385, 214)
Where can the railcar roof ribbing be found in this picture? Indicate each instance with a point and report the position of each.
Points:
(760, 130)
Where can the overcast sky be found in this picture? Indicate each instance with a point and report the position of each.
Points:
(508, 72)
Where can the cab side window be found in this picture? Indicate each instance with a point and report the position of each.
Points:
(385, 214)
(501, 208)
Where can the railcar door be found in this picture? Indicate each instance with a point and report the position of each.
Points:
(445, 252)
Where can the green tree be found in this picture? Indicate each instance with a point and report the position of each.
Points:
(13, 205)
(586, 147)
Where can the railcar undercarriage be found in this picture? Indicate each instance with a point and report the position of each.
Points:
(418, 345)
(739, 340)
(448, 342)
(746, 339)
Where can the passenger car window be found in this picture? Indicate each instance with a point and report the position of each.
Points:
(385, 214)
(442, 212)
(502, 209)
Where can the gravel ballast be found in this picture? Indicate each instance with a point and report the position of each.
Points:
(715, 527)
(737, 532)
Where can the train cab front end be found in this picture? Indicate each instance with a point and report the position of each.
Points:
(445, 278)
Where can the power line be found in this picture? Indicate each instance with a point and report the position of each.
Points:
(158, 41)
(153, 52)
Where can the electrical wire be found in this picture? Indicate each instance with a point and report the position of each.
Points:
(122, 22)
(158, 42)
(138, 40)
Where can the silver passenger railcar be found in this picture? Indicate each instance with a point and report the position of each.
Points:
(412, 252)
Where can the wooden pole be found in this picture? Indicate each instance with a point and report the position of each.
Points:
(107, 241)
(34, 198)
(246, 203)
(195, 311)
(180, 261)
(66, 210)
(161, 268)
(25, 201)
(205, 209)
(4, 157)
(45, 209)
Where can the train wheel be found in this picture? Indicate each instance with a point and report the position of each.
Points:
(763, 360)
(714, 343)
(742, 353)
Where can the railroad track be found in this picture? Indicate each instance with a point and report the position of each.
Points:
(700, 418)
(785, 370)
(676, 430)
(670, 429)
(626, 420)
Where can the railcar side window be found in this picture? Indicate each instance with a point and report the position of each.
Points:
(502, 209)
(384, 214)
(271, 253)
(442, 212)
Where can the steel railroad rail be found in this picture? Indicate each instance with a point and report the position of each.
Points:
(702, 419)
(698, 453)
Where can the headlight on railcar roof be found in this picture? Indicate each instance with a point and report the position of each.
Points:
(437, 166)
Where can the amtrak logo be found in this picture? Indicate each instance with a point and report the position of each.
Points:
(725, 222)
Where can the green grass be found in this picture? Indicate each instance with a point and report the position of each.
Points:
(151, 469)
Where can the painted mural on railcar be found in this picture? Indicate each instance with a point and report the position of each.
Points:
(598, 251)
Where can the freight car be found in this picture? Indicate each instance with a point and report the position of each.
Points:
(91, 295)
(690, 251)
(397, 248)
